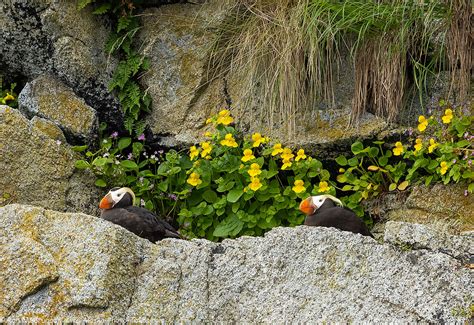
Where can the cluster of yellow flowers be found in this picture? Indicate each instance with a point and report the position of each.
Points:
(254, 170)
(422, 125)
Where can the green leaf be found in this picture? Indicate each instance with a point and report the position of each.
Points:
(210, 196)
(81, 4)
(470, 187)
(428, 180)
(234, 195)
(99, 161)
(357, 147)
(392, 187)
(100, 183)
(79, 148)
(373, 152)
(353, 162)
(347, 187)
(162, 186)
(341, 160)
(383, 161)
(102, 9)
(124, 143)
(123, 23)
(432, 165)
(231, 225)
(81, 164)
(225, 186)
(128, 164)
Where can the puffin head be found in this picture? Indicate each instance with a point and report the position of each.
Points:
(309, 205)
(116, 195)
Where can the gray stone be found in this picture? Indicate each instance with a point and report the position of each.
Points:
(54, 37)
(38, 166)
(292, 275)
(417, 236)
(48, 98)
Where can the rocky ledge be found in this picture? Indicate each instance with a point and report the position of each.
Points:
(74, 267)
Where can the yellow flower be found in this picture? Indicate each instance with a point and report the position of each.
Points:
(432, 146)
(8, 97)
(208, 121)
(224, 117)
(254, 170)
(397, 151)
(208, 134)
(323, 186)
(448, 116)
(258, 139)
(286, 163)
(248, 155)
(287, 154)
(277, 149)
(298, 188)
(193, 152)
(255, 184)
(300, 155)
(444, 168)
(418, 144)
(206, 149)
(194, 179)
(229, 141)
(423, 123)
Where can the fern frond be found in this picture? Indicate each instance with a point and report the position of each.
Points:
(81, 4)
(102, 9)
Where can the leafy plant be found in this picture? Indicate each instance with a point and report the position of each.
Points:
(131, 65)
(8, 95)
(443, 155)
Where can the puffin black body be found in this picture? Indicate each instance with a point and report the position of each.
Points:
(117, 207)
(323, 211)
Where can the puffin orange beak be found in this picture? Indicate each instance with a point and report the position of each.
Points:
(307, 207)
(106, 202)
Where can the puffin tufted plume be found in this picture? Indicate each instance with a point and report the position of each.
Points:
(328, 211)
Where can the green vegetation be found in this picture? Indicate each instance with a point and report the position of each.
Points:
(233, 185)
(133, 99)
(8, 95)
(444, 154)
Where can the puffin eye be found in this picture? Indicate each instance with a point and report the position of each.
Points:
(320, 200)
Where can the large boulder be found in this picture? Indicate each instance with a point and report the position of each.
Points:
(53, 37)
(38, 166)
(48, 98)
(95, 271)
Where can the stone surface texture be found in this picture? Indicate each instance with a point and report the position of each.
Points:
(38, 167)
(96, 271)
(53, 37)
(48, 98)
(443, 206)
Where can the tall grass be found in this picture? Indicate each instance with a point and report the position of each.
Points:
(287, 53)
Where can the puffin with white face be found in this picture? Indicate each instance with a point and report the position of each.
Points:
(328, 211)
(117, 207)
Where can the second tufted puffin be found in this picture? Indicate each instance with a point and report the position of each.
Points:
(328, 211)
(117, 207)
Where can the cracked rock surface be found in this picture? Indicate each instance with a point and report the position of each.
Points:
(37, 166)
(96, 271)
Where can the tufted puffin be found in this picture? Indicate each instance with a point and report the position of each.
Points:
(117, 207)
(328, 211)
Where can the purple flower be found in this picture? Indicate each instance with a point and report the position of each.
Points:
(142, 202)
(130, 156)
(141, 137)
(469, 162)
(465, 192)
(454, 161)
(466, 134)
(58, 142)
(173, 197)
(114, 135)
